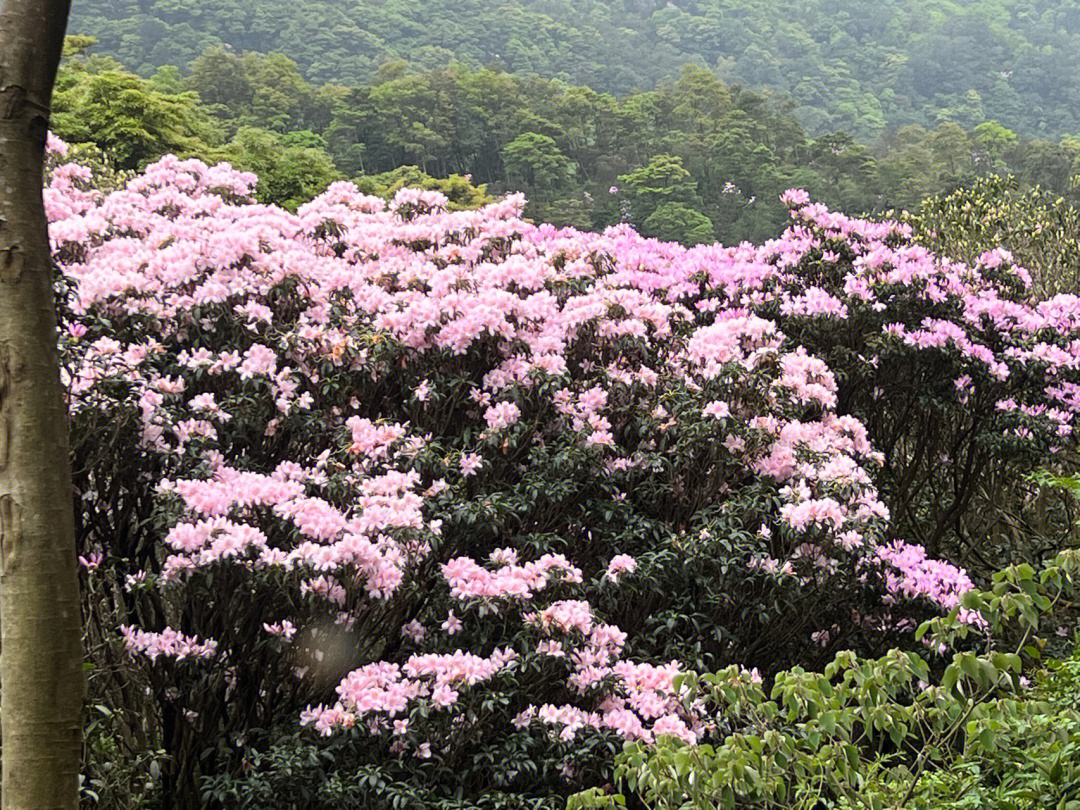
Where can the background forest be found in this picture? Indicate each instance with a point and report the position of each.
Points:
(860, 67)
(866, 108)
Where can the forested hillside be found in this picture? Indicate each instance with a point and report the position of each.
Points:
(694, 160)
(860, 68)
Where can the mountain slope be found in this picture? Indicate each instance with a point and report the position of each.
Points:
(871, 65)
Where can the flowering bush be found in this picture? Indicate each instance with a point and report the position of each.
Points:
(964, 379)
(468, 493)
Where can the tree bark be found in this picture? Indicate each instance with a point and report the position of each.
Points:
(41, 681)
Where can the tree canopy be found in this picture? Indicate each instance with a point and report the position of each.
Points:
(862, 67)
(583, 157)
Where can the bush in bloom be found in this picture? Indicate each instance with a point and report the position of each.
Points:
(465, 494)
(964, 379)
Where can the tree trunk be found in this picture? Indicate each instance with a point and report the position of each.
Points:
(40, 646)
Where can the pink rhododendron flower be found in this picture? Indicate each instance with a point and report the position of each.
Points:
(452, 624)
(502, 415)
(470, 463)
(620, 564)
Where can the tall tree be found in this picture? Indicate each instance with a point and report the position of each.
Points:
(40, 646)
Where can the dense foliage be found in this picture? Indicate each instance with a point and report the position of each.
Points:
(465, 494)
(861, 67)
(892, 732)
(696, 160)
(1040, 228)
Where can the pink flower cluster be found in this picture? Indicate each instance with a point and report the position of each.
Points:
(915, 575)
(620, 564)
(386, 689)
(361, 539)
(502, 415)
(168, 643)
(638, 701)
(469, 580)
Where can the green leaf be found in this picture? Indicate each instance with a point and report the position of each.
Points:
(969, 665)
(828, 722)
(948, 680)
(682, 763)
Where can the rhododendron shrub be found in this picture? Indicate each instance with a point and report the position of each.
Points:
(965, 381)
(461, 494)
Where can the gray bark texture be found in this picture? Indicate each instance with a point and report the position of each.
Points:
(41, 680)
